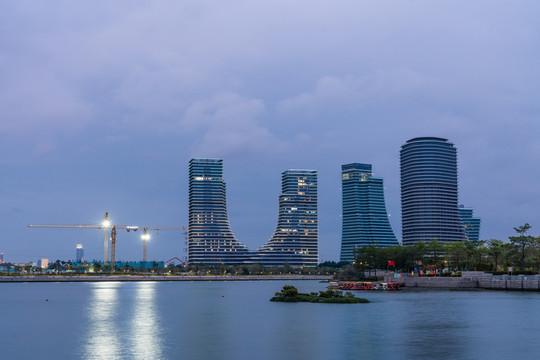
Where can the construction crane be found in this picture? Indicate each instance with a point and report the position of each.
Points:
(106, 225)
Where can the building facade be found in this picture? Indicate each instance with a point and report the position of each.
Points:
(211, 240)
(364, 217)
(471, 224)
(429, 191)
(295, 240)
(43, 263)
(79, 253)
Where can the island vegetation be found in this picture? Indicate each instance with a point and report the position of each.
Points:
(291, 294)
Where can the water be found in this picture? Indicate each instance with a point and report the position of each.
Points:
(235, 320)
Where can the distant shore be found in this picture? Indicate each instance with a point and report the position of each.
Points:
(94, 278)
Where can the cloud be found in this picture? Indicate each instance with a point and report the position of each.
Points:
(356, 91)
(230, 126)
(37, 102)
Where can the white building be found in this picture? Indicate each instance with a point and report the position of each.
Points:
(43, 263)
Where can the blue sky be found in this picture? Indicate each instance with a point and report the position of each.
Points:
(103, 104)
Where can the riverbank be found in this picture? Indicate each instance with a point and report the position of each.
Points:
(470, 280)
(93, 278)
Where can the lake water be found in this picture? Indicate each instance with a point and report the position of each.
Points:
(235, 320)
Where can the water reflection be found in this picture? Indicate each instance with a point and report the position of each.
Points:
(102, 311)
(145, 339)
(438, 322)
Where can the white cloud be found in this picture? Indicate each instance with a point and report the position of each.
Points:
(355, 91)
(36, 102)
(230, 124)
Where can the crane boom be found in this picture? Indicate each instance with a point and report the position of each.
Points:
(100, 227)
(106, 226)
(65, 226)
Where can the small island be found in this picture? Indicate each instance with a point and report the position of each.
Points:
(291, 294)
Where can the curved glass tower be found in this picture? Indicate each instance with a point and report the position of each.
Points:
(295, 240)
(429, 191)
(364, 219)
(211, 240)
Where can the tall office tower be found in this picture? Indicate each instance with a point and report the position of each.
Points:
(429, 191)
(80, 253)
(470, 223)
(364, 219)
(211, 240)
(1, 258)
(295, 240)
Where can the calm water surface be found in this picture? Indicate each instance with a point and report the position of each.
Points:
(235, 320)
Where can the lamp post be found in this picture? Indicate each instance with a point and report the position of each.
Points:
(106, 223)
(145, 236)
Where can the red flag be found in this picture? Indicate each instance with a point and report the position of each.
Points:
(391, 263)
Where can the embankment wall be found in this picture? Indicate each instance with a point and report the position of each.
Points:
(470, 280)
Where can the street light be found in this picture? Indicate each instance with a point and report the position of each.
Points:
(106, 223)
(145, 237)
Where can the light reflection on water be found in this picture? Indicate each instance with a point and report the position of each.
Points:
(102, 312)
(235, 320)
(145, 340)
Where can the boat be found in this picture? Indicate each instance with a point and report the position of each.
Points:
(334, 285)
(365, 285)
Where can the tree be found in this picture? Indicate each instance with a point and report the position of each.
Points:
(288, 291)
(495, 250)
(435, 249)
(522, 242)
(456, 254)
(366, 258)
(28, 268)
(536, 253)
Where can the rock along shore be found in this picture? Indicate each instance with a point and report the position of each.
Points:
(91, 278)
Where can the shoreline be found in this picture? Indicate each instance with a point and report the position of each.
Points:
(109, 278)
(470, 280)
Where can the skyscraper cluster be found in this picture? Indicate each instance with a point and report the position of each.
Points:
(429, 204)
(211, 240)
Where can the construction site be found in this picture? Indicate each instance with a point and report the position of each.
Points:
(109, 263)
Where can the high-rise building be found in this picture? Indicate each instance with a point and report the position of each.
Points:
(295, 240)
(364, 218)
(80, 253)
(429, 191)
(43, 263)
(1, 258)
(211, 240)
(470, 224)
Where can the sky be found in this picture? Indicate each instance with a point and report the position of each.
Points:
(103, 103)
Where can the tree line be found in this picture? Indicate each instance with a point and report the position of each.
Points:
(520, 255)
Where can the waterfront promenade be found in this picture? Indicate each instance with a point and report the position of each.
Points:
(470, 280)
(93, 278)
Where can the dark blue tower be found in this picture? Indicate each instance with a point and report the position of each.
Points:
(429, 191)
(364, 218)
